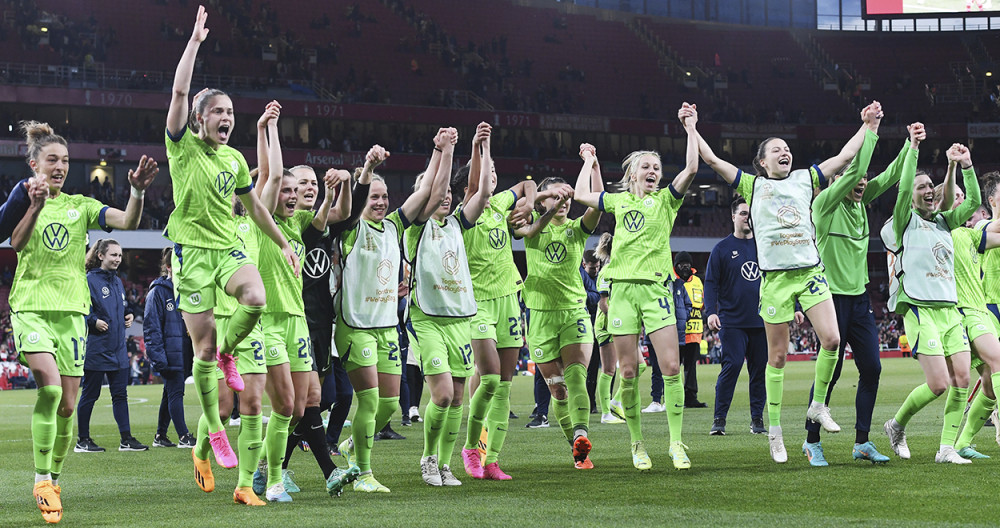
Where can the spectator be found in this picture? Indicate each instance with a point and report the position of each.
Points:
(164, 333)
(106, 354)
(691, 340)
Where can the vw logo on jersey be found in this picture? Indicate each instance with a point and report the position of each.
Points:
(234, 165)
(195, 299)
(498, 238)
(298, 248)
(170, 306)
(55, 237)
(648, 202)
(72, 214)
(569, 232)
(555, 252)
(33, 337)
(225, 182)
(436, 362)
(317, 263)
(498, 217)
(633, 221)
(244, 227)
(538, 352)
(750, 271)
(366, 352)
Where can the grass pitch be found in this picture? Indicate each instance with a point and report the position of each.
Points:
(732, 479)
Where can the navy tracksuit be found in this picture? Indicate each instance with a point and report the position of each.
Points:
(732, 291)
(164, 332)
(106, 354)
(14, 209)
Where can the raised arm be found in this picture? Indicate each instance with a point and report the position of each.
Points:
(269, 181)
(829, 198)
(475, 203)
(38, 192)
(483, 131)
(846, 154)
(261, 217)
(331, 181)
(688, 114)
(561, 193)
(140, 178)
(904, 200)
(437, 176)
(341, 209)
(177, 114)
(950, 185)
(584, 192)
(520, 214)
(592, 216)
(723, 168)
(973, 198)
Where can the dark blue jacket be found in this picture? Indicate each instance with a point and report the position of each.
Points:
(106, 350)
(682, 307)
(590, 286)
(732, 283)
(14, 209)
(163, 328)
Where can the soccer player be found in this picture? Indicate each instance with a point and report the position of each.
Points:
(560, 334)
(366, 303)
(922, 288)
(841, 222)
(732, 283)
(496, 327)
(441, 306)
(604, 339)
(50, 298)
(788, 257)
(205, 172)
(639, 272)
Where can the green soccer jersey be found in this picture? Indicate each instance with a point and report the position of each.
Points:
(970, 244)
(491, 259)
(246, 237)
(991, 270)
(743, 184)
(204, 180)
(641, 249)
(350, 236)
(603, 285)
(50, 272)
(554, 256)
(842, 229)
(283, 288)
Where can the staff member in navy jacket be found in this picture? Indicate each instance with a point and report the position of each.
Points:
(106, 354)
(732, 291)
(164, 332)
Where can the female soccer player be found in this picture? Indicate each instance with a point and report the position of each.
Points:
(205, 172)
(366, 303)
(441, 306)
(923, 289)
(496, 327)
(605, 339)
(50, 297)
(793, 271)
(639, 272)
(560, 336)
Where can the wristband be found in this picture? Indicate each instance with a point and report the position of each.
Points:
(437, 149)
(967, 168)
(136, 193)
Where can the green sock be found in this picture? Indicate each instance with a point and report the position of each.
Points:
(639, 369)
(673, 396)
(450, 436)
(953, 408)
(43, 426)
(363, 427)
(240, 325)
(560, 411)
(497, 420)
(435, 417)
(207, 385)
(918, 398)
(64, 439)
(202, 449)
(630, 404)
(604, 392)
(826, 363)
(774, 384)
(979, 412)
(579, 400)
(386, 407)
(478, 407)
(248, 446)
(276, 439)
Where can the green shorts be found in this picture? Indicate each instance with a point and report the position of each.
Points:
(441, 344)
(977, 323)
(199, 271)
(551, 330)
(634, 305)
(500, 320)
(286, 337)
(781, 289)
(250, 352)
(935, 331)
(366, 347)
(62, 334)
(601, 329)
